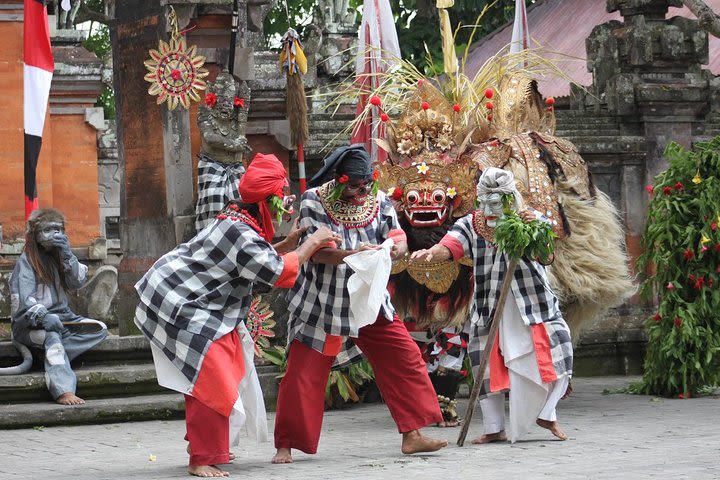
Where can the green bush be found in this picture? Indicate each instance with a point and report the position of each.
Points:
(682, 247)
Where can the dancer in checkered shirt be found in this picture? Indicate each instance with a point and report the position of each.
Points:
(322, 328)
(193, 302)
(532, 355)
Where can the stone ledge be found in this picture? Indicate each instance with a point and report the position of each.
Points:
(147, 407)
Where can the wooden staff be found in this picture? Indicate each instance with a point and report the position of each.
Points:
(494, 325)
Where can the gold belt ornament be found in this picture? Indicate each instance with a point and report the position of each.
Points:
(436, 276)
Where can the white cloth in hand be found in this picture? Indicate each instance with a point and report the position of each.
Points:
(367, 286)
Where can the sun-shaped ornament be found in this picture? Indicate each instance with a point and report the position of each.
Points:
(175, 71)
(260, 324)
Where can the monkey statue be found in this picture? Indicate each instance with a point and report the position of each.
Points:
(41, 316)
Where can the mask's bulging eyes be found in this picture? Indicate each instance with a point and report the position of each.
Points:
(438, 196)
(412, 197)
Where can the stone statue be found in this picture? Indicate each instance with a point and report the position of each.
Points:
(222, 120)
(41, 316)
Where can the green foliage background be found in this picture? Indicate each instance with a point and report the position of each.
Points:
(682, 244)
(98, 42)
(417, 23)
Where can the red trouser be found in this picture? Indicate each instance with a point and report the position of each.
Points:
(208, 433)
(215, 391)
(400, 374)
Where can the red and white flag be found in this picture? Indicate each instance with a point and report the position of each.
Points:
(379, 51)
(37, 76)
(520, 34)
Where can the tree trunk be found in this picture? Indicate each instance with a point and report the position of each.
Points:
(707, 18)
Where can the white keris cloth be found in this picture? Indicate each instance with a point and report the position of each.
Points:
(367, 286)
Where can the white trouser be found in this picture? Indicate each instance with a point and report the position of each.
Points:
(530, 398)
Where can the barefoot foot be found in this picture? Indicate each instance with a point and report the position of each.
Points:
(416, 442)
(230, 454)
(68, 398)
(554, 428)
(207, 471)
(490, 438)
(282, 456)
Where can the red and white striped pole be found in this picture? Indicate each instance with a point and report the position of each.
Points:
(301, 168)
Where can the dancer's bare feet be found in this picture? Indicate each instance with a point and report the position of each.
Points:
(207, 471)
(568, 391)
(448, 423)
(230, 454)
(554, 428)
(282, 456)
(416, 442)
(490, 438)
(68, 398)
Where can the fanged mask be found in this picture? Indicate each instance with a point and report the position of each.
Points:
(426, 204)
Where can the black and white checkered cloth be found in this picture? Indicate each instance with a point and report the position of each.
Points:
(319, 303)
(217, 184)
(202, 289)
(530, 289)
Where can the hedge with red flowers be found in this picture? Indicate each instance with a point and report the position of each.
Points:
(682, 244)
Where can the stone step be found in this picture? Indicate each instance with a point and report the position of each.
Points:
(602, 131)
(130, 348)
(109, 380)
(161, 406)
(611, 144)
(93, 381)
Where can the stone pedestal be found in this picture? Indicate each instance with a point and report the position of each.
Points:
(647, 71)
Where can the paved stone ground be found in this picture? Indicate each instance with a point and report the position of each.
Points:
(611, 436)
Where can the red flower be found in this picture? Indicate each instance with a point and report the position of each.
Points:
(175, 74)
(384, 117)
(376, 174)
(678, 322)
(489, 105)
(713, 226)
(650, 189)
(344, 179)
(489, 118)
(397, 193)
(550, 109)
(550, 101)
(703, 249)
(222, 216)
(681, 396)
(679, 186)
(657, 317)
(669, 286)
(239, 102)
(691, 277)
(667, 190)
(688, 254)
(210, 100)
(425, 105)
(421, 82)
(699, 284)
(456, 108)
(489, 93)
(375, 100)
(717, 247)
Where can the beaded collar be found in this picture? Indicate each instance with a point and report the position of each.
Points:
(482, 228)
(347, 214)
(234, 213)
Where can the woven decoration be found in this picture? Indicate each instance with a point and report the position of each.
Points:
(175, 71)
